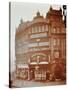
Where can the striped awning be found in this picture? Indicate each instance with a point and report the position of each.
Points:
(22, 66)
(35, 63)
(43, 63)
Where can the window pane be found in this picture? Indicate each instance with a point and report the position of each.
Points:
(33, 44)
(58, 42)
(43, 43)
(39, 35)
(43, 29)
(56, 54)
(58, 30)
(32, 29)
(54, 42)
(36, 29)
(39, 28)
(46, 28)
(54, 30)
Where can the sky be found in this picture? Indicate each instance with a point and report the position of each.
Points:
(25, 11)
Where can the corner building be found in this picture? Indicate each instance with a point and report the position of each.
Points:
(40, 45)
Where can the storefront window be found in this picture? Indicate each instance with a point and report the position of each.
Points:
(40, 74)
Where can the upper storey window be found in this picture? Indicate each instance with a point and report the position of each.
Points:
(63, 30)
(46, 28)
(33, 30)
(54, 30)
(39, 35)
(56, 42)
(56, 54)
(43, 29)
(38, 29)
(58, 30)
(39, 44)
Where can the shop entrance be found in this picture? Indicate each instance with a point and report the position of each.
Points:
(38, 66)
(37, 73)
(32, 74)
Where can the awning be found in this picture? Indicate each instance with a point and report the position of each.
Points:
(22, 66)
(33, 63)
(43, 63)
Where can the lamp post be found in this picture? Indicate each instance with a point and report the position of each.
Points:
(64, 13)
(38, 40)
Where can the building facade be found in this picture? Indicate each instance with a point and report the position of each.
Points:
(40, 46)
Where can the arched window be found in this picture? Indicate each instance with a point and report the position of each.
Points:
(33, 30)
(43, 29)
(39, 28)
(46, 28)
(58, 30)
(54, 30)
(56, 54)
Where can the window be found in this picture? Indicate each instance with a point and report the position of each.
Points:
(36, 29)
(33, 30)
(63, 30)
(39, 35)
(54, 42)
(29, 31)
(56, 54)
(32, 44)
(58, 42)
(43, 29)
(43, 43)
(39, 28)
(37, 49)
(54, 30)
(38, 44)
(63, 48)
(58, 30)
(46, 29)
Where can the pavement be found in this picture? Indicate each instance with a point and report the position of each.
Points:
(19, 83)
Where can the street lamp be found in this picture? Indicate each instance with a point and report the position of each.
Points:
(64, 13)
(38, 40)
(38, 59)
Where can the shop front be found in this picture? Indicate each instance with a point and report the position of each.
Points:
(22, 71)
(38, 71)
